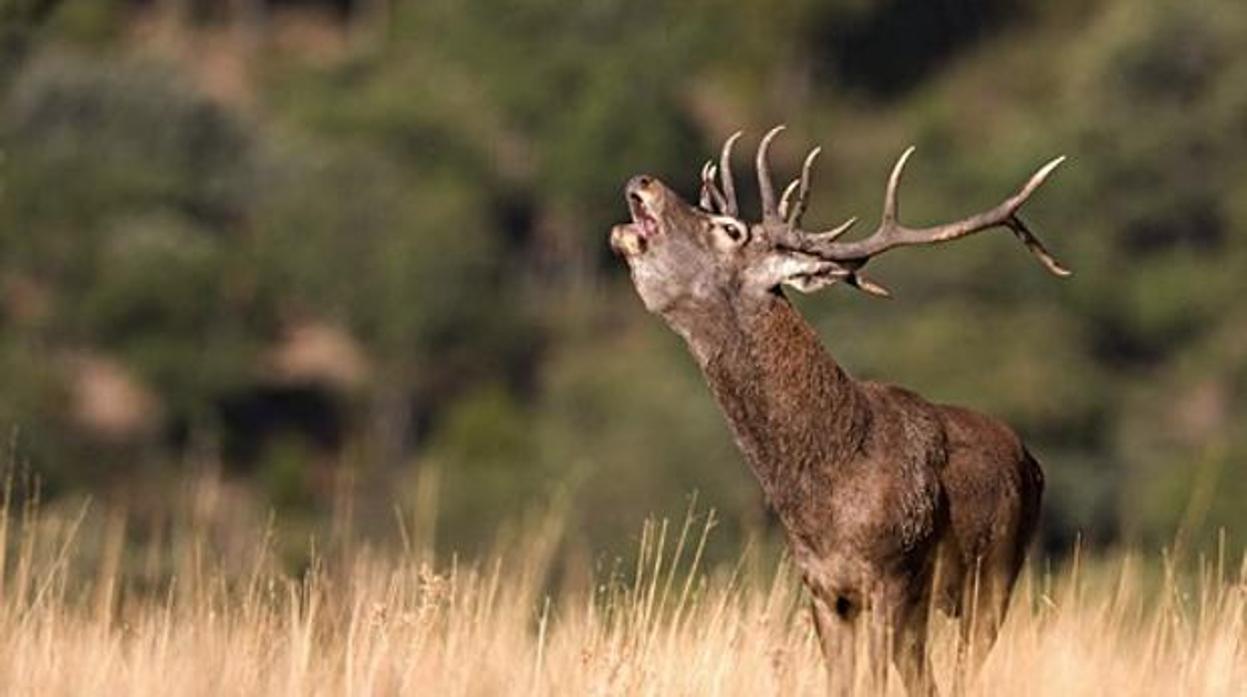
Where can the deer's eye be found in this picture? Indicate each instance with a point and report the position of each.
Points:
(731, 228)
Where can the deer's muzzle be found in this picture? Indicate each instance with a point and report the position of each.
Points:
(628, 240)
(643, 193)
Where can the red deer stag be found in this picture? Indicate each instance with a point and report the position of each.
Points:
(890, 503)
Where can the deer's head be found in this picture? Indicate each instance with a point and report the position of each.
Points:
(688, 258)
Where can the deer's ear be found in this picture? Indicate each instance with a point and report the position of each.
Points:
(804, 272)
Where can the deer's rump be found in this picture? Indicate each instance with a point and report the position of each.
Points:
(994, 487)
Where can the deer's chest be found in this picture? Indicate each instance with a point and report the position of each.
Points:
(878, 514)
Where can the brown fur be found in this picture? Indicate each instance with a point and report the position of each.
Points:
(882, 495)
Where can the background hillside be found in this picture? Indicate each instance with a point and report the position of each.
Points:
(348, 256)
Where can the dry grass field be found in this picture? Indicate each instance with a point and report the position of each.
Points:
(86, 610)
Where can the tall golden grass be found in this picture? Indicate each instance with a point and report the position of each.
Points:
(87, 610)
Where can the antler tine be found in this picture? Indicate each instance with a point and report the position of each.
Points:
(891, 204)
(794, 214)
(703, 198)
(765, 189)
(711, 198)
(860, 282)
(835, 233)
(1036, 247)
(784, 198)
(725, 172)
(1036, 180)
(891, 233)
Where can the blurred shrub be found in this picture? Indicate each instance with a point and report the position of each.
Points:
(440, 198)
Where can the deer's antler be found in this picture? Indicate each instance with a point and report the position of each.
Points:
(783, 220)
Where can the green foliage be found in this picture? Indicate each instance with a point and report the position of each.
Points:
(441, 196)
(488, 457)
(1160, 113)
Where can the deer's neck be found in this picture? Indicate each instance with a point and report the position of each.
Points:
(794, 413)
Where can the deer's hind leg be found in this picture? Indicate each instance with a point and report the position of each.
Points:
(990, 578)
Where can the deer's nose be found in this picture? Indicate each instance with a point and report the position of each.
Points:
(639, 183)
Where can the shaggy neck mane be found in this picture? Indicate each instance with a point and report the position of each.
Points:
(794, 413)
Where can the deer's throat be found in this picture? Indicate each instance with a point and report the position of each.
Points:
(794, 413)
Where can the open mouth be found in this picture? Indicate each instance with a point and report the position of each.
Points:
(645, 221)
